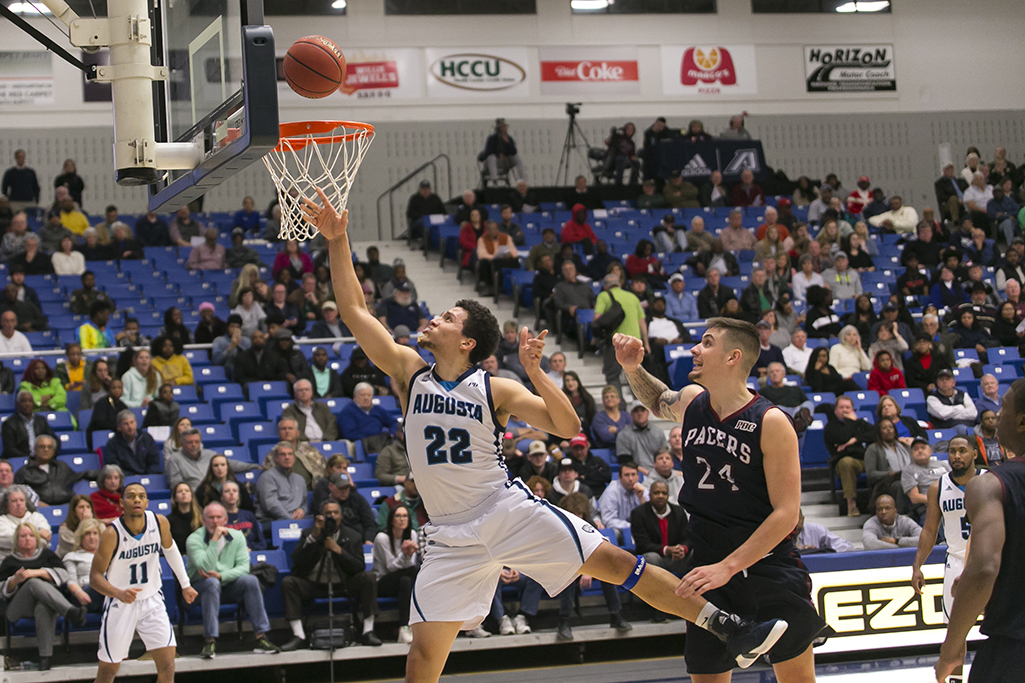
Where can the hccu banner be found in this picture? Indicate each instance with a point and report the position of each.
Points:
(589, 70)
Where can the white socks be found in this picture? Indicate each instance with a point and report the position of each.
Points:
(368, 624)
(297, 629)
(706, 613)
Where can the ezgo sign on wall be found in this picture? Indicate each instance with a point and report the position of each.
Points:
(872, 609)
(849, 68)
(709, 70)
(477, 72)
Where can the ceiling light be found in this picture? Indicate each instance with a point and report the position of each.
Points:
(27, 8)
(589, 5)
(338, 4)
(871, 6)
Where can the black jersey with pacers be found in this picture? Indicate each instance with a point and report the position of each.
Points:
(1005, 613)
(723, 473)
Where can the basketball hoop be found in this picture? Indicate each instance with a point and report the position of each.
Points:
(312, 154)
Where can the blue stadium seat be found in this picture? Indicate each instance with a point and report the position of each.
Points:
(215, 436)
(101, 437)
(263, 393)
(861, 379)
(237, 413)
(211, 374)
(161, 507)
(968, 354)
(17, 463)
(335, 404)
(1003, 373)
(185, 394)
(84, 487)
(329, 448)
(254, 434)
(59, 421)
(82, 462)
(216, 394)
(55, 514)
(250, 476)
(1003, 353)
(199, 413)
(274, 408)
(863, 400)
(72, 442)
(155, 482)
(285, 534)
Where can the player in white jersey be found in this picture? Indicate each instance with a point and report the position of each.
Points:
(946, 503)
(126, 569)
(455, 414)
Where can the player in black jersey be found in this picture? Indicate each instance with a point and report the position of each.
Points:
(992, 577)
(742, 489)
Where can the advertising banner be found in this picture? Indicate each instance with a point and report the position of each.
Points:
(709, 70)
(849, 68)
(576, 71)
(697, 160)
(477, 72)
(872, 609)
(26, 78)
(374, 74)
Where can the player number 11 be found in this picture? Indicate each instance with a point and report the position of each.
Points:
(138, 573)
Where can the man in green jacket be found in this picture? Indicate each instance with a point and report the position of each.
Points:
(634, 325)
(219, 569)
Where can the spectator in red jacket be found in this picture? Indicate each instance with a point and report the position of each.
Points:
(643, 262)
(577, 230)
(747, 193)
(885, 375)
(469, 233)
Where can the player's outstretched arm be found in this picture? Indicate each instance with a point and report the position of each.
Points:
(927, 539)
(782, 467)
(398, 362)
(551, 410)
(660, 399)
(985, 508)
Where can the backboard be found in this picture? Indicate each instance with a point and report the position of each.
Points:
(220, 92)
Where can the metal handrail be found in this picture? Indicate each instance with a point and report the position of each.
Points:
(394, 188)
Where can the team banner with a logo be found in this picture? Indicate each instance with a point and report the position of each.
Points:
(709, 70)
(372, 75)
(849, 68)
(697, 160)
(477, 72)
(589, 71)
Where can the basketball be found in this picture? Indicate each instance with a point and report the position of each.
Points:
(314, 67)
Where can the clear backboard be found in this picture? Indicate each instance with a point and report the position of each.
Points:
(220, 93)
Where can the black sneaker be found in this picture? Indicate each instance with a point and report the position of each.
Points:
(370, 638)
(76, 615)
(265, 647)
(564, 632)
(209, 650)
(293, 645)
(44, 663)
(747, 640)
(619, 623)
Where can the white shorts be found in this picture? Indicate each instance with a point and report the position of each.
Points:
(461, 564)
(120, 622)
(951, 570)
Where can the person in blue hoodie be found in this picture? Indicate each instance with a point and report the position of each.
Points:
(947, 293)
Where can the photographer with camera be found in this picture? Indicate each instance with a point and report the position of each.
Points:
(329, 553)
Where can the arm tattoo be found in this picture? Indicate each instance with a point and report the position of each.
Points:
(660, 399)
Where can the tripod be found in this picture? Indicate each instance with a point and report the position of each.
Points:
(570, 145)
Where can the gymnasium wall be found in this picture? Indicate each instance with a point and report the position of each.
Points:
(958, 72)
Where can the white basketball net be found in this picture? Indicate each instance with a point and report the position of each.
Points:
(324, 154)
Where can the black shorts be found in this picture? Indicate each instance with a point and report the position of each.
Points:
(777, 587)
(998, 660)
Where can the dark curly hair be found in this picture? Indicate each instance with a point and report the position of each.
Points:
(482, 326)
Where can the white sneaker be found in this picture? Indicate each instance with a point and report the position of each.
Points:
(405, 635)
(521, 625)
(478, 632)
(505, 626)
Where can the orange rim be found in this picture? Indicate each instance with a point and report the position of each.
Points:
(296, 135)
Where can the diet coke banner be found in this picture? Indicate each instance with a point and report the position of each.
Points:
(589, 71)
(709, 70)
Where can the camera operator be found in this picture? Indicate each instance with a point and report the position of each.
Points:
(500, 153)
(331, 552)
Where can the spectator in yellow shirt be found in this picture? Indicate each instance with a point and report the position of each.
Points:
(170, 363)
(71, 218)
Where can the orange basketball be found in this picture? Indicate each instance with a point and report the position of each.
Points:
(314, 67)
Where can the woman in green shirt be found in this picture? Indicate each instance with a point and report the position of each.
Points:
(47, 391)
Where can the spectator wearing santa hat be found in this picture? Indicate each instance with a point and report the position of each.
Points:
(860, 197)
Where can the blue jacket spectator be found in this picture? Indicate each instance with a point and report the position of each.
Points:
(621, 497)
(361, 418)
(134, 451)
(981, 250)
(603, 427)
(1003, 212)
(680, 305)
(247, 218)
(947, 293)
(246, 523)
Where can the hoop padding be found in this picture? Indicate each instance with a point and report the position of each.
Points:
(312, 154)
